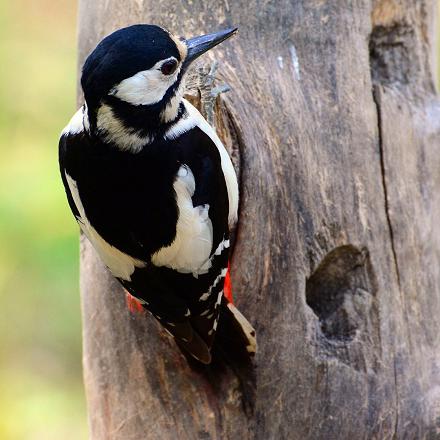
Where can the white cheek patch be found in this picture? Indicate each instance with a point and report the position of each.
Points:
(146, 87)
(120, 264)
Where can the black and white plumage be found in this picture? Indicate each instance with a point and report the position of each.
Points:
(152, 186)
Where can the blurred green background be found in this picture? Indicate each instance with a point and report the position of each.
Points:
(41, 394)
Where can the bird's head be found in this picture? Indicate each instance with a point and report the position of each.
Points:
(136, 74)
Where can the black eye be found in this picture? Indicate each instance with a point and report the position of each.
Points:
(168, 67)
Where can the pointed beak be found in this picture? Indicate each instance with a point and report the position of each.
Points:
(199, 45)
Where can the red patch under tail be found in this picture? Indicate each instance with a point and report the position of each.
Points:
(133, 304)
(227, 290)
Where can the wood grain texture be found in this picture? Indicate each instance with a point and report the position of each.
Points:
(337, 256)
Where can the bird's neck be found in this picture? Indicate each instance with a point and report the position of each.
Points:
(130, 127)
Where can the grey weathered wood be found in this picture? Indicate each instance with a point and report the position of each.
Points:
(337, 258)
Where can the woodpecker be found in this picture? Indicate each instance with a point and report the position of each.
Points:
(152, 186)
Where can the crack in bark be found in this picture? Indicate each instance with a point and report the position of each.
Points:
(396, 422)
(376, 100)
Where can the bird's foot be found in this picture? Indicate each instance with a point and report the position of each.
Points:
(206, 76)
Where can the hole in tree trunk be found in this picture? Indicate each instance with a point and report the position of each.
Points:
(392, 52)
(339, 292)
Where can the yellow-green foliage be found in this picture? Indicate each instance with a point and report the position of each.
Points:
(41, 393)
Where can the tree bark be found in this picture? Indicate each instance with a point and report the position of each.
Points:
(336, 127)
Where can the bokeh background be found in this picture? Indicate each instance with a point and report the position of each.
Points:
(41, 394)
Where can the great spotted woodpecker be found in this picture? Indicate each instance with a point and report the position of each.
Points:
(152, 186)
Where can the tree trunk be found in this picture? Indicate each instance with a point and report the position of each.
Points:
(336, 129)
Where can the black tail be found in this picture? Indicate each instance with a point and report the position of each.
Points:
(231, 355)
(235, 338)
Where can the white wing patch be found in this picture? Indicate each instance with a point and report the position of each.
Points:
(193, 119)
(224, 244)
(191, 248)
(120, 264)
(207, 294)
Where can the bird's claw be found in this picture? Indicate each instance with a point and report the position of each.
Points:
(209, 93)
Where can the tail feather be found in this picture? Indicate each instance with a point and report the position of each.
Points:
(235, 336)
(196, 347)
(235, 339)
(246, 329)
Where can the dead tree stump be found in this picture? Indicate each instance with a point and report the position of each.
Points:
(335, 127)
